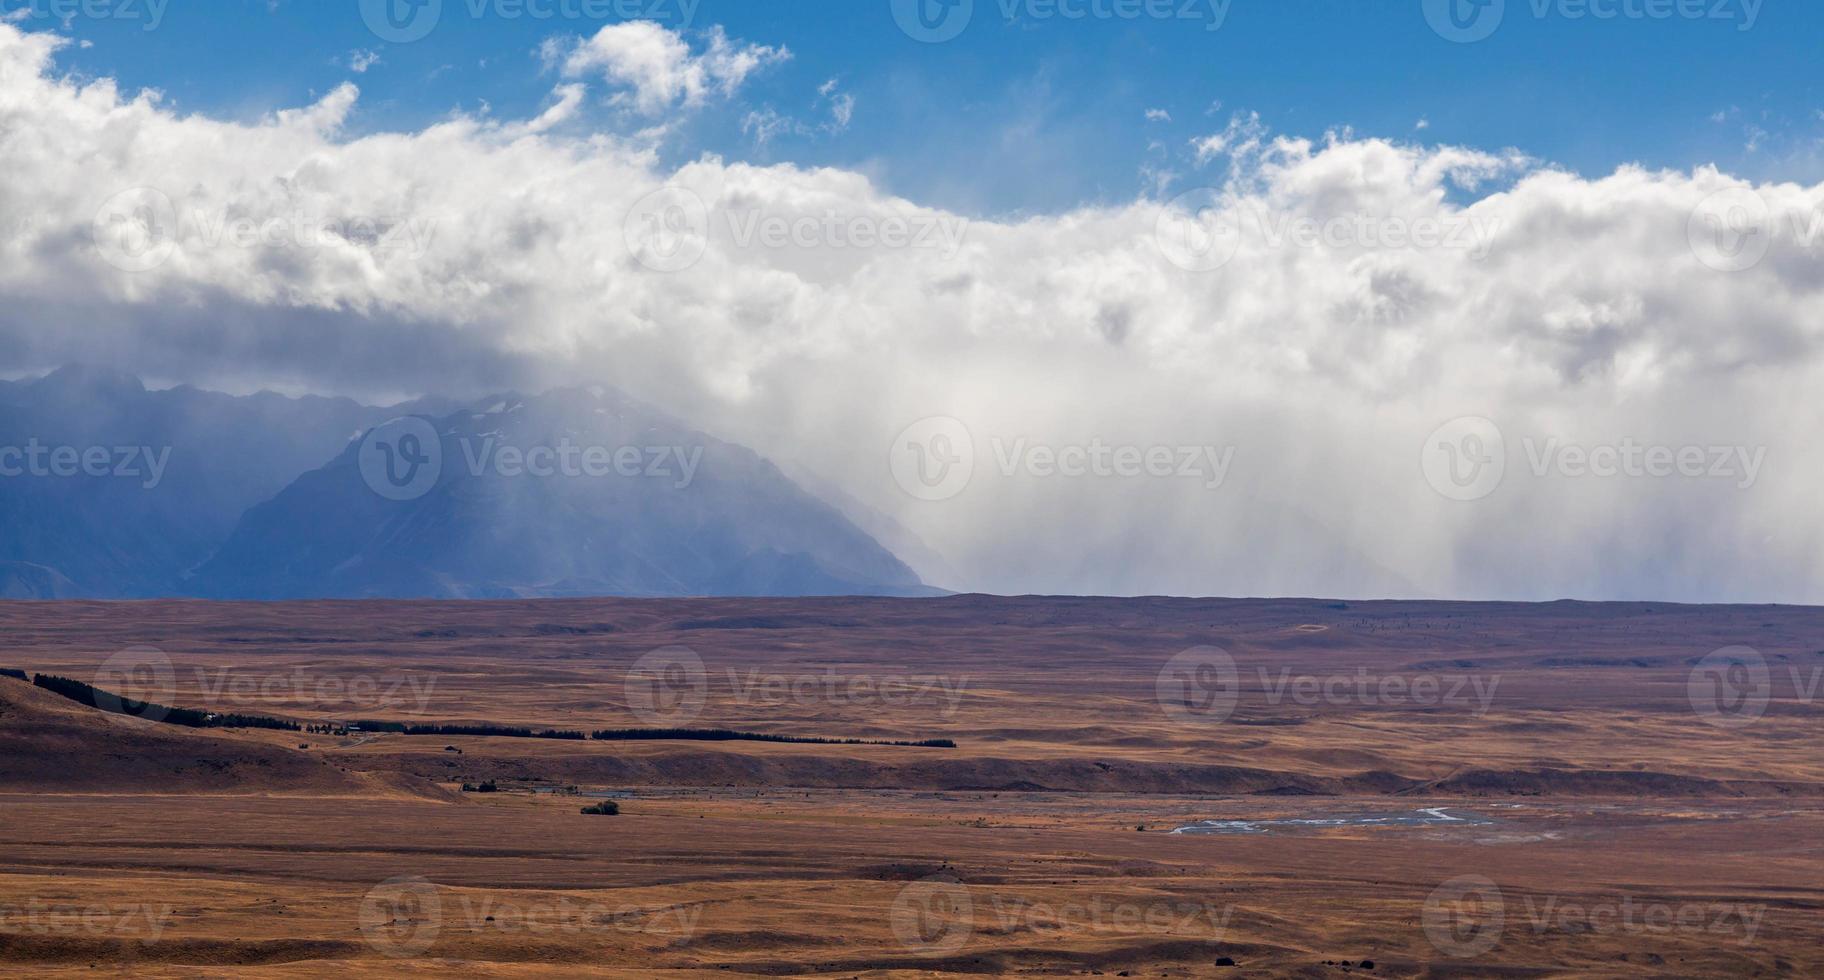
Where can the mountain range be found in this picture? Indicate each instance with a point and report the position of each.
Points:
(111, 490)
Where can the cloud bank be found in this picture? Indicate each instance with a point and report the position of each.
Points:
(1317, 316)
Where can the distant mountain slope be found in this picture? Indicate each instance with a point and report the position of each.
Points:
(575, 492)
(172, 471)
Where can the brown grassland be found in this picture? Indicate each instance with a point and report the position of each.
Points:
(1436, 789)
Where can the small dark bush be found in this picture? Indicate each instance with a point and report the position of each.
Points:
(606, 808)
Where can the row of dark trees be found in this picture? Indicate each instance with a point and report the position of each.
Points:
(726, 735)
(615, 734)
(95, 697)
(498, 731)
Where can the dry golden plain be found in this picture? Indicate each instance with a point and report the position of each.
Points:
(1553, 798)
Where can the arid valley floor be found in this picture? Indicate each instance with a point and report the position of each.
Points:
(1391, 789)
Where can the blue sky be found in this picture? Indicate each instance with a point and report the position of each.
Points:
(1044, 112)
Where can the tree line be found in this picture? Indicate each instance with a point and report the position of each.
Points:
(95, 697)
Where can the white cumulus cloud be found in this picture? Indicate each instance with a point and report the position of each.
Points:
(1344, 298)
(655, 69)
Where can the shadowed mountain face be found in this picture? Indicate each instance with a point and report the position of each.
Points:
(109, 490)
(575, 492)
